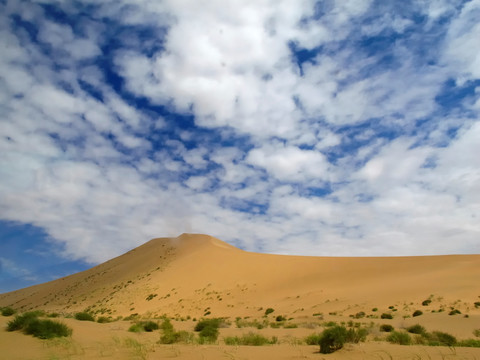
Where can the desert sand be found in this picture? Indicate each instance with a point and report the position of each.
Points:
(194, 276)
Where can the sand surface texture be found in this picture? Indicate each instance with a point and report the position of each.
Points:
(195, 276)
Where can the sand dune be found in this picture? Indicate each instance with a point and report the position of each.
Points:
(192, 276)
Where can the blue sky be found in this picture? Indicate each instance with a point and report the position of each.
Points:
(346, 128)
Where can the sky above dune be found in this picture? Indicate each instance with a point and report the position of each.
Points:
(336, 128)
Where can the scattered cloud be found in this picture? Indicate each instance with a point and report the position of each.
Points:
(307, 128)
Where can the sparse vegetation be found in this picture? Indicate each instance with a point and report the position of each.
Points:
(416, 329)
(141, 326)
(43, 329)
(8, 311)
(386, 316)
(208, 330)
(333, 339)
(469, 343)
(170, 336)
(439, 338)
(84, 316)
(476, 332)
(251, 339)
(426, 302)
(313, 339)
(454, 312)
(417, 313)
(386, 328)
(269, 311)
(401, 338)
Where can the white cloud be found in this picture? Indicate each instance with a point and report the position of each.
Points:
(83, 168)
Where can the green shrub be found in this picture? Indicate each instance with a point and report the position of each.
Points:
(400, 338)
(47, 329)
(208, 330)
(251, 339)
(469, 343)
(386, 328)
(477, 304)
(137, 327)
(417, 313)
(359, 315)
(416, 329)
(269, 311)
(21, 321)
(356, 335)
(8, 311)
(313, 339)
(454, 312)
(149, 326)
(332, 339)
(375, 309)
(476, 332)
(439, 338)
(426, 302)
(386, 316)
(84, 316)
(280, 318)
(53, 315)
(104, 319)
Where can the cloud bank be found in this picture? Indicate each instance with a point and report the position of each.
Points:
(314, 128)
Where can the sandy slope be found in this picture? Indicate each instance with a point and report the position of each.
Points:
(193, 275)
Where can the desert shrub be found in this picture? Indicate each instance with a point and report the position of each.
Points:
(208, 330)
(426, 302)
(251, 339)
(170, 336)
(280, 318)
(356, 335)
(149, 326)
(104, 319)
(400, 338)
(476, 332)
(454, 312)
(269, 311)
(313, 339)
(386, 316)
(416, 329)
(359, 315)
(53, 315)
(477, 304)
(241, 323)
(21, 321)
(469, 343)
(332, 339)
(375, 309)
(84, 316)
(47, 329)
(137, 327)
(439, 338)
(329, 324)
(8, 311)
(417, 313)
(290, 326)
(386, 328)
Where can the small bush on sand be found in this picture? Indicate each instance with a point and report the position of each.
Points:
(332, 339)
(47, 329)
(454, 312)
(400, 338)
(84, 316)
(439, 338)
(21, 321)
(386, 316)
(386, 328)
(43, 329)
(208, 330)
(313, 339)
(8, 311)
(476, 332)
(356, 335)
(141, 326)
(416, 329)
(417, 313)
(269, 311)
(469, 343)
(251, 339)
(104, 319)
(426, 302)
